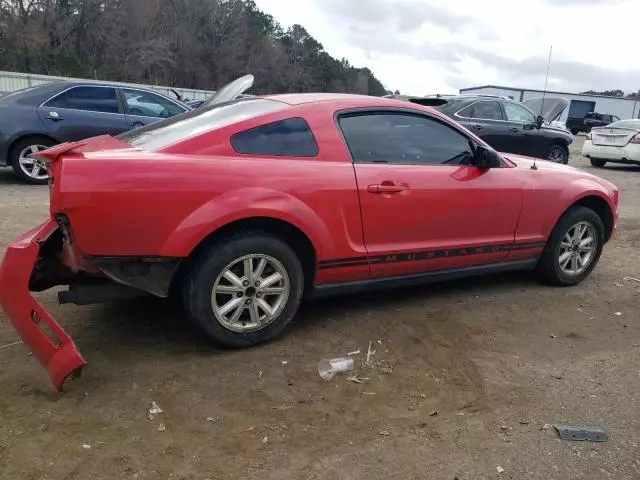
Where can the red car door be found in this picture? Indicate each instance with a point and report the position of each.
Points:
(425, 207)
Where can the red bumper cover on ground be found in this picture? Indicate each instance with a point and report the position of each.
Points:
(53, 348)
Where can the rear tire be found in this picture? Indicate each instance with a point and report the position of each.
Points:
(598, 163)
(35, 172)
(558, 154)
(229, 304)
(563, 245)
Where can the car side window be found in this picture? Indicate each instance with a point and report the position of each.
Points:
(290, 138)
(483, 111)
(399, 138)
(147, 104)
(90, 99)
(516, 113)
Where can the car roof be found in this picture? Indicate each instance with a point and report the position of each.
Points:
(344, 100)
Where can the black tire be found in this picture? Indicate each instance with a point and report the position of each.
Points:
(598, 163)
(548, 268)
(575, 131)
(14, 157)
(558, 153)
(201, 275)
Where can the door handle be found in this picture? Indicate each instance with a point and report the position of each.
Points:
(385, 189)
(514, 130)
(476, 127)
(55, 116)
(136, 124)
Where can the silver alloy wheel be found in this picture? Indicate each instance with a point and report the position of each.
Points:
(250, 293)
(30, 166)
(577, 250)
(557, 154)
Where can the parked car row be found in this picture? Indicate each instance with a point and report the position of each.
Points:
(243, 207)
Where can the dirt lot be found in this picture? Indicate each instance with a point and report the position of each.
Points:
(464, 378)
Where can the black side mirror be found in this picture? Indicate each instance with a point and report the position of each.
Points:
(487, 158)
(539, 120)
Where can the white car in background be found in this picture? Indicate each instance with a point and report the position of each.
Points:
(618, 142)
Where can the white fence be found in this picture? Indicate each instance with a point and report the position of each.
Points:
(12, 81)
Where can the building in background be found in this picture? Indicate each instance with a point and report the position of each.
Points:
(580, 103)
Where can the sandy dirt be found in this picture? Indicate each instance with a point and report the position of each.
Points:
(464, 377)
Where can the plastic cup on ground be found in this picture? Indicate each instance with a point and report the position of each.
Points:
(329, 367)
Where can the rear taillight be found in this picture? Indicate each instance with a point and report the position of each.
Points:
(588, 136)
(635, 139)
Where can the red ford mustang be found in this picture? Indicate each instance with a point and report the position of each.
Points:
(242, 207)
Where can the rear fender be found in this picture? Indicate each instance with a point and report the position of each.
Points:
(242, 204)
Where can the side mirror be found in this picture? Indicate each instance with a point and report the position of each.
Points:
(487, 158)
(539, 120)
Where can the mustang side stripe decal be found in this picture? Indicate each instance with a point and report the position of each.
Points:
(425, 255)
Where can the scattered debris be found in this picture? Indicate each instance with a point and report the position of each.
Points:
(618, 284)
(155, 408)
(370, 351)
(355, 352)
(265, 440)
(284, 362)
(546, 426)
(500, 469)
(422, 395)
(250, 429)
(329, 367)
(358, 379)
(523, 422)
(211, 419)
(460, 414)
(386, 370)
(632, 279)
(161, 427)
(384, 433)
(553, 335)
(580, 309)
(578, 434)
(86, 446)
(557, 377)
(618, 314)
(260, 374)
(368, 393)
(504, 427)
(434, 413)
(379, 342)
(11, 344)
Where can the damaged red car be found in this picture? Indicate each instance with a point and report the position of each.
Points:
(247, 205)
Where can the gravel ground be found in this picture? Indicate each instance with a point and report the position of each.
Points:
(464, 378)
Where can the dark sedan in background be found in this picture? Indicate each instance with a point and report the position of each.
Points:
(506, 125)
(36, 118)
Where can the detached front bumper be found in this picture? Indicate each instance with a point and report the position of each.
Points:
(53, 348)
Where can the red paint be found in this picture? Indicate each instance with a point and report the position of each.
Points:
(125, 201)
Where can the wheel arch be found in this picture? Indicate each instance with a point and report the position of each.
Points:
(289, 233)
(22, 137)
(602, 209)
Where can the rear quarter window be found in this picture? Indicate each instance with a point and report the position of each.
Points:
(291, 138)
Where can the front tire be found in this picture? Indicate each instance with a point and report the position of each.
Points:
(598, 163)
(28, 169)
(244, 290)
(558, 154)
(573, 249)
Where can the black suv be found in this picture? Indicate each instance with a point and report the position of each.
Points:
(506, 125)
(590, 120)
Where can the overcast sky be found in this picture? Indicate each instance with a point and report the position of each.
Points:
(439, 46)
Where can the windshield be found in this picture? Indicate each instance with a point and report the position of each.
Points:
(161, 134)
(635, 124)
